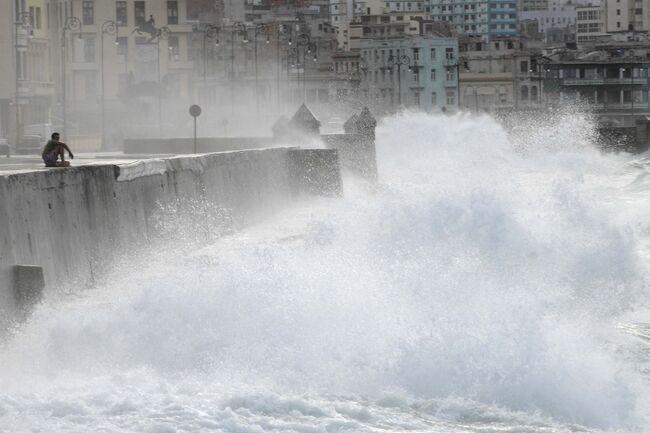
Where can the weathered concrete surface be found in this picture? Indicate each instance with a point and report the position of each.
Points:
(71, 221)
(183, 145)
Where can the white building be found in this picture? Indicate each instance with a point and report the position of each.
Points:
(557, 15)
(589, 23)
(627, 15)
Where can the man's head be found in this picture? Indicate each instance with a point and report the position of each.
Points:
(55, 136)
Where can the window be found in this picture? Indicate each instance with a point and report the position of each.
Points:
(139, 12)
(449, 53)
(523, 66)
(618, 11)
(88, 12)
(416, 54)
(120, 13)
(172, 12)
(450, 74)
(174, 49)
(433, 53)
(524, 93)
(416, 99)
(451, 97)
(433, 75)
(416, 76)
(434, 99)
(122, 49)
(89, 48)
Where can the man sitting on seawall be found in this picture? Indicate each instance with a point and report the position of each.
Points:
(53, 149)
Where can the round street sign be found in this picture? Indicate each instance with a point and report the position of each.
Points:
(195, 111)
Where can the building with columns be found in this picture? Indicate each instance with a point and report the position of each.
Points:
(26, 88)
(126, 63)
(613, 80)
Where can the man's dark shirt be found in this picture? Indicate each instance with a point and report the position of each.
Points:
(50, 147)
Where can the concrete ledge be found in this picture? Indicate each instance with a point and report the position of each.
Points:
(186, 145)
(72, 221)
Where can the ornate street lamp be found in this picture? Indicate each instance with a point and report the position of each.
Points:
(161, 34)
(237, 27)
(262, 28)
(23, 22)
(399, 61)
(109, 27)
(71, 24)
(210, 32)
(304, 43)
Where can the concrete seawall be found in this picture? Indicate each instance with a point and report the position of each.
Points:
(71, 221)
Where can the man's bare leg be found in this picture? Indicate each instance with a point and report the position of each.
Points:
(61, 154)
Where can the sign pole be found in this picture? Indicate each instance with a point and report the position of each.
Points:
(195, 111)
(195, 135)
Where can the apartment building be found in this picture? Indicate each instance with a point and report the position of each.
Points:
(627, 15)
(500, 74)
(124, 62)
(557, 15)
(589, 23)
(416, 72)
(532, 5)
(26, 92)
(487, 19)
(613, 80)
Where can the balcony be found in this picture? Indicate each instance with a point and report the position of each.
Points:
(604, 81)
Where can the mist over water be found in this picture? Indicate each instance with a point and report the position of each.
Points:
(490, 283)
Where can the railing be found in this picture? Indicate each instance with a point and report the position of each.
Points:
(604, 81)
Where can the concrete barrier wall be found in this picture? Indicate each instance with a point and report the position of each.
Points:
(356, 152)
(179, 146)
(71, 221)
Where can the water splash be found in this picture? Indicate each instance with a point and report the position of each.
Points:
(479, 289)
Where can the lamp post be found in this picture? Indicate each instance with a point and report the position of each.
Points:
(210, 32)
(281, 30)
(237, 27)
(304, 41)
(399, 61)
(23, 22)
(262, 28)
(71, 24)
(109, 27)
(162, 34)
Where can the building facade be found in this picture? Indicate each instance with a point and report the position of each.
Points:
(613, 81)
(27, 88)
(499, 75)
(487, 19)
(589, 23)
(121, 62)
(419, 72)
(627, 15)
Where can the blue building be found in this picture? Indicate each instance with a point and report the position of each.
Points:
(484, 18)
(412, 72)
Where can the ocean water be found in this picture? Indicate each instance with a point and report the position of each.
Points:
(492, 282)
